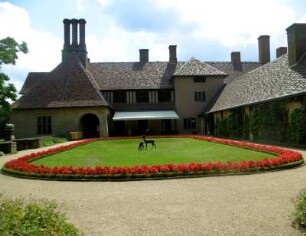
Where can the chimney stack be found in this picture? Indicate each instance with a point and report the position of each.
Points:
(296, 34)
(82, 23)
(66, 33)
(74, 23)
(172, 54)
(77, 45)
(236, 61)
(280, 51)
(144, 55)
(264, 49)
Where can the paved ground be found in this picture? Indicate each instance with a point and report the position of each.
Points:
(257, 204)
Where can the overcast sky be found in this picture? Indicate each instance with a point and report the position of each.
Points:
(116, 29)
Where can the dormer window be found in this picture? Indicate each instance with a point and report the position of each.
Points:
(199, 79)
(119, 96)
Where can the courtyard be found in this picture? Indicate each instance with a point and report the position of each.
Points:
(257, 204)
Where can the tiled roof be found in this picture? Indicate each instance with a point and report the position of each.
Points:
(157, 75)
(227, 68)
(68, 85)
(132, 75)
(32, 79)
(271, 81)
(195, 67)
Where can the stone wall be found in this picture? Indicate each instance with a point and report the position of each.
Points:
(64, 120)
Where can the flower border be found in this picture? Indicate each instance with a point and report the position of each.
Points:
(284, 159)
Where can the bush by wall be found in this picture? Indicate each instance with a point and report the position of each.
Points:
(33, 218)
(299, 215)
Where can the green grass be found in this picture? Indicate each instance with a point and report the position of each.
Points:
(124, 152)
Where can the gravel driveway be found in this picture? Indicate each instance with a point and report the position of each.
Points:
(257, 204)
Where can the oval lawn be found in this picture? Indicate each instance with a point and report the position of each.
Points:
(124, 152)
(174, 156)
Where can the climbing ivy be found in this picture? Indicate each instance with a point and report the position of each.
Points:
(298, 126)
(267, 122)
(235, 126)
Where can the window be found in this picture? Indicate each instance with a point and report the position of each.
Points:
(142, 96)
(164, 95)
(189, 123)
(199, 96)
(108, 96)
(44, 125)
(119, 96)
(199, 79)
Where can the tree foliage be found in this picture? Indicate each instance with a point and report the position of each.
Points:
(9, 50)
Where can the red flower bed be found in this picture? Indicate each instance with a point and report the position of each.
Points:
(284, 159)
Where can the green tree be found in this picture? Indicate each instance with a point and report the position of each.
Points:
(9, 50)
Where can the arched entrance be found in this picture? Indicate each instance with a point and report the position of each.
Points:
(90, 126)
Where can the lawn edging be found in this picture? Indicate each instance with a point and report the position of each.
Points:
(285, 159)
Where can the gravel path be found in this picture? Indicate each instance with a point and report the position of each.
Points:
(257, 204)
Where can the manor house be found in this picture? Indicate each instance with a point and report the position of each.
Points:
(158, 97)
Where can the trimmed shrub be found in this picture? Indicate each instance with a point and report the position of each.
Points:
(48, 141)
(33, 218)
(299, 216)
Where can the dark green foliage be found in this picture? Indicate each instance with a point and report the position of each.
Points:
(9, 49)
(298, 126)
(222, 128)
(299, 216)
(269, 122)
(235, 126)
(48, 141)
(33, 218)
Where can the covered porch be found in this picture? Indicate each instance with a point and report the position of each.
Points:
(144, 122)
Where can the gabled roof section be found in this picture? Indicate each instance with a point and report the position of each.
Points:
(195, 67)
(32, 79)
(228, 68)
(68, 85)
(132, 75)
(273, 80)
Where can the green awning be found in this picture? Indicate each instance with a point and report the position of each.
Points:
(145, 115)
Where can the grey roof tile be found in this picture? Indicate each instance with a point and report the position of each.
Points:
(271, 81)
(32, 79)
(195, 67)
(68, 85)
(132, 75)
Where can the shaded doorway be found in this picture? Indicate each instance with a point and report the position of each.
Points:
(90, 126)
(166, 127)
(119, 128)
(143, 127)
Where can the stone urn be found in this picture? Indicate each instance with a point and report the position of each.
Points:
(9, 132)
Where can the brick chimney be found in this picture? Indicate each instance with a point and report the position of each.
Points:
(264, 49)
(281, 51)
(144, 55)
(172, 54)
(296, 34)
(236, 61)
(74, 40)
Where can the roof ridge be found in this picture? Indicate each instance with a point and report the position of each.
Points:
(203, 67)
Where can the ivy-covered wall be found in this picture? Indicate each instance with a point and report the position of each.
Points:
(282, 121)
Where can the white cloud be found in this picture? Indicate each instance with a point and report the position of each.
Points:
(232, 23)
(220, 26)
(104, 3)
(122, 45)
(44, 48)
